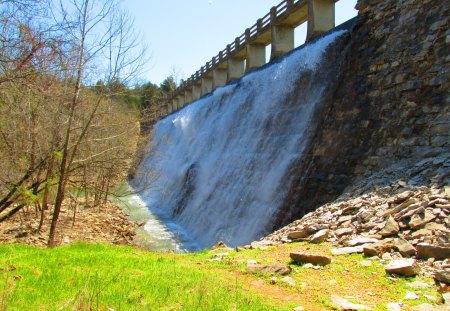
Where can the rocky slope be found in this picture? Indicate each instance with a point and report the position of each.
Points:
(403, 222)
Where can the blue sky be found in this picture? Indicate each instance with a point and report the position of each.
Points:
(182, 35)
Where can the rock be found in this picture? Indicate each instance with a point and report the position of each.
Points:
(300, 234)
(366, 263)
(405, 267)
(349, 250)
(378, 249)
(411, 296)
(394, 306)
(400, 207)
(320, 236)
(361, 240)
(288, 280)
(404, 247)
(446, 298)
(299, 308)
(269, 269)
(343, 231)
(262, 244)
(425, 251)
(273, 280)
(390, 228)
(402, 197)
(220, 245)
(419, 285)
(340, 303)
(442, 276)
(302, 258)
(418, 221)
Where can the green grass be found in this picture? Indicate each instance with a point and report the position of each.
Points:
(103, 277)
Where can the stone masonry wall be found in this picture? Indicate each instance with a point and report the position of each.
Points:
(391, 104)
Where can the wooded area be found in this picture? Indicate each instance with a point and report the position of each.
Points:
(69, 122)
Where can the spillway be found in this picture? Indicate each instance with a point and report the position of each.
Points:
(220, 169)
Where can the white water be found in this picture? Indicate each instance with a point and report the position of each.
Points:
(220, 166)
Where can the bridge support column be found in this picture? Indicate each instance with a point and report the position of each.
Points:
(196, 91)
(207, 85)
(320, 17)
(219, 77)
(181, 101)
(187, 97)
(236, 68)
(256, 56)
(174, 104)
(282, 40)
(169, 108)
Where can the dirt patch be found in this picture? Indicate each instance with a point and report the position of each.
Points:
(106, 223)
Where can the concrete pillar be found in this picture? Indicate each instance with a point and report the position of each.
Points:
(181, 101)
(282, 40)
(256, 56)
(235, 68)
(320, 17)
(196, 91)
(187, 97)
(219, 77)
(169, 107)
(175, 104)
(207, 85)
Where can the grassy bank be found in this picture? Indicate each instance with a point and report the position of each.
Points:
(105, 277)
(102, 277)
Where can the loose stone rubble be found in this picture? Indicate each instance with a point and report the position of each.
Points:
(404, 222)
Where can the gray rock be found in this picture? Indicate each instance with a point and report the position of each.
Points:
(299, 234)
(320, 237)
(361, 240)
(302, 258)
(343, 231)
(394, 306)
(378, 249)
(390, 228)
(340, 303)
(418, 220)
(405, 267)
(269, 269)
(425, 251)
(404, 247)
(288, 280)
(446, 298)
(443, 276)
(349, 250)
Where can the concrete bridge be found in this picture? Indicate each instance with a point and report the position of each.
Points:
(248, 51)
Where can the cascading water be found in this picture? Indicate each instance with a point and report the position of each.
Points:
(218, 169)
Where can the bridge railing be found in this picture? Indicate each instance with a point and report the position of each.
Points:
(263, 25)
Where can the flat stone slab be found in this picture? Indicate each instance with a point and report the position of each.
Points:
(361, 240)
(320, 237)
(298, 234)
(349, 250)
(425, 251)
(405, 267)
(302, 258)
(443, 276)
(340, 303)
(269, 269)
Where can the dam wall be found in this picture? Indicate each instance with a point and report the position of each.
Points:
(391, 104)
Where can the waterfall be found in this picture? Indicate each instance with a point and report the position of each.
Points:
(219, 168)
